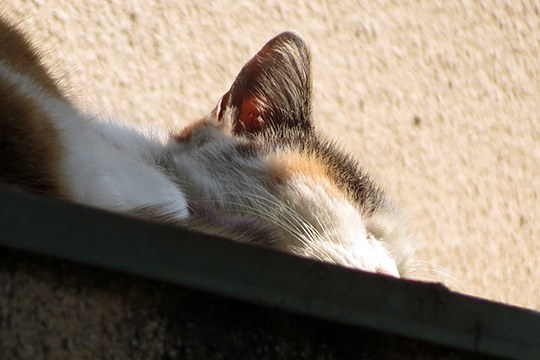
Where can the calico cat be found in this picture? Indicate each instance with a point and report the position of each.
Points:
(253, 170)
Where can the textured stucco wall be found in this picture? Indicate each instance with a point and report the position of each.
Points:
(440, 100)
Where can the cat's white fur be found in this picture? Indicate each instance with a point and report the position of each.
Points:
(341, 233)
(104, 164)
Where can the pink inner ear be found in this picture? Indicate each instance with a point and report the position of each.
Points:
(249, 116)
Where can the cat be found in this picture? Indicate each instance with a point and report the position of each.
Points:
(254, 169)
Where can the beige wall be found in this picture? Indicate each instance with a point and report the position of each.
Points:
(441, 102)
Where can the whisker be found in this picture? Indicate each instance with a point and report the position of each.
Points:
(427, 268)
(268, 201)
(300, 220)
(259, 213)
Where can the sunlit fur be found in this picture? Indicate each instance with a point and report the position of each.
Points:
(254, 169)
(291, 188)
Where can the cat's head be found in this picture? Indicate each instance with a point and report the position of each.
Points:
(256, 170)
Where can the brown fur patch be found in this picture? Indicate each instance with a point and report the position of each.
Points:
(185, 133)
(19, 55)
(29, 144)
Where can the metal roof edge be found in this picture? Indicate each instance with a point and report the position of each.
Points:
(424, 311)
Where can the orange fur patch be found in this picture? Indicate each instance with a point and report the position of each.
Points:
(286, 166)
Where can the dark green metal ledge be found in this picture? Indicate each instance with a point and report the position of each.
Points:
(423, 311)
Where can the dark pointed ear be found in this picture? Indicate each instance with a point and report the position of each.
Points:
(273, 89)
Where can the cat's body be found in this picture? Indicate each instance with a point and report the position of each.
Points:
(253, 170)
